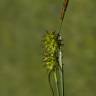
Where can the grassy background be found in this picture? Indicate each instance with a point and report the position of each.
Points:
(22, 24)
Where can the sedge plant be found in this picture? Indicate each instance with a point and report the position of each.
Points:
(52, 57)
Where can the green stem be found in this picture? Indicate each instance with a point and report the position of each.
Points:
(61, 68)
(56, 81)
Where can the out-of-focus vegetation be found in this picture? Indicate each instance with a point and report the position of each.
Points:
(22, 24)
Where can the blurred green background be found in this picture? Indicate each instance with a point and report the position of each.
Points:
(22, 24)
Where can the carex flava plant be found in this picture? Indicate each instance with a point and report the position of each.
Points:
(52, 56)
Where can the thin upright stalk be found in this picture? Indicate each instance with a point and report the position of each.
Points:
(63, 11)
(61, 73)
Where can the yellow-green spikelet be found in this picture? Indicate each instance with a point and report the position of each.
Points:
(50, 48)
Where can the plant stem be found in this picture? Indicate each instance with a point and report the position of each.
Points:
(61, 69)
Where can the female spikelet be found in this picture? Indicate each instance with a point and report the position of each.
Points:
(50, 48)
